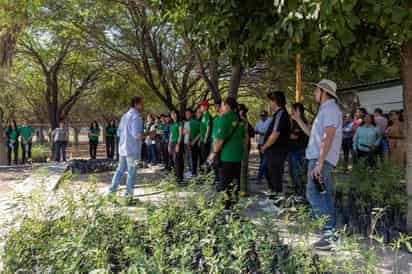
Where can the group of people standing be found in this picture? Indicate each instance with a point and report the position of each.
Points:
(222, 143)
(372, 136)
(18, 136)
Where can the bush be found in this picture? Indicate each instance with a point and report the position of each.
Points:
(40, 153)
(367, 189)
(81, 233)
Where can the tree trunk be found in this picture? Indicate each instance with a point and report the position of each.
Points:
(182, 105)
(3, 145)
(235, 79)
(76, 136)
(406, 70)
(41, 134)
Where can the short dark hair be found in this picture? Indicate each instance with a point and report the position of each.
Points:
(232, 103)
(301, 108)
(135, 100)
(189, 110)
(278, 97)
(379, 110)
(363, 110)
(178, 117)
(243, 107)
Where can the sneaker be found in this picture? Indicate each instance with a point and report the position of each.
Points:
(323, 244)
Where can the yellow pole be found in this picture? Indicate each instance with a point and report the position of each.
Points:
(298, 79)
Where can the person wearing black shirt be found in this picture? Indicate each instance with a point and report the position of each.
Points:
(275, 147)
(298, 143)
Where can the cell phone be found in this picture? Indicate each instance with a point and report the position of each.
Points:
(319, 184)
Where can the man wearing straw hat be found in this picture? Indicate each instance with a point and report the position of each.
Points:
(323, 154)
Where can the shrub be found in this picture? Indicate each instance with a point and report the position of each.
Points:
(82, 232)
(366, 189)
(39, 153)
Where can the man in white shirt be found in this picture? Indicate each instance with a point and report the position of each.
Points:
(323, 154)
(130, 132)
(261, 127)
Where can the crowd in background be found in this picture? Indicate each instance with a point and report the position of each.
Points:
(373, 136)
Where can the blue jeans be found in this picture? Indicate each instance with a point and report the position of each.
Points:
(60, 146)
(152, 154)
(322, 204)
(261, 172)
(296, 169)
(129, 163)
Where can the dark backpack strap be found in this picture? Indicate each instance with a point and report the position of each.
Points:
(232, 133)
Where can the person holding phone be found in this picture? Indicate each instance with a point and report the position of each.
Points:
(323, 153)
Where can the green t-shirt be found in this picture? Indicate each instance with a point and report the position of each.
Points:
(194, 125)
(205, 122)
(215, 127)
(111, 131)
(12, 135)
(174, 131)
(232, 150)
(26, 132)
(94, 131)
(161, 127)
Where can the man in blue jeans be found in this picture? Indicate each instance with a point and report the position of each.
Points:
(323, 154)
(130, 145)
(261, 128)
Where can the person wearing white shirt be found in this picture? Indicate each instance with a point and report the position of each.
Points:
(261, 127)
(130, 132)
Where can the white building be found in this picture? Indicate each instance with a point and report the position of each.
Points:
(387, 95)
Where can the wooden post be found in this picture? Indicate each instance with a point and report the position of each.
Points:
(298, 79)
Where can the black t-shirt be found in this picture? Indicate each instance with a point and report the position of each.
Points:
(280, 123)
(302, 139)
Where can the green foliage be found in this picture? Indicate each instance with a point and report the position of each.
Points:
(73, 232)
(40, 151)
(369, 188)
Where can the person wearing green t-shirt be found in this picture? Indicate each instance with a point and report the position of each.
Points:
(94, 133)
(11, 134)
(26, 133)
(176, 145)
(192, 135)
(230, 143)
(205, 132)
(215, 127)
(111, 135)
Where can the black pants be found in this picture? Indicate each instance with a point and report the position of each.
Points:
(369, 157)
(25, 152)
(275, 168)
(110, 147)
(204, 153)
(93, 148)
(216, 169)
(229, 181)
(144, 152)
(14, 148)
(347, 145)
(194, 151)
(166, 159)
(178, 160)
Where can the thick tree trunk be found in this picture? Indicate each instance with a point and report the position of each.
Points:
(406, 68)
(235, 78)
